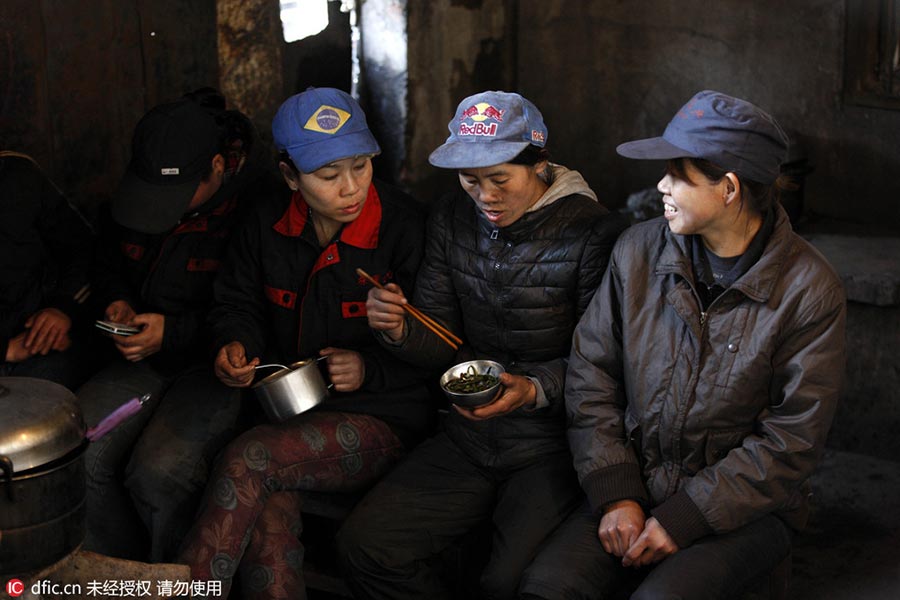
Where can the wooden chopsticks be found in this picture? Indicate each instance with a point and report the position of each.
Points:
(439, 330)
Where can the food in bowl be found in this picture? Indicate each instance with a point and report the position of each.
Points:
(472, 383)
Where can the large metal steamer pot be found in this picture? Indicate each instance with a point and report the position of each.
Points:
(292, 390)
(42, 482)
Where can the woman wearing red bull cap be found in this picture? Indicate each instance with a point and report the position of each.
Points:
(511, 261)
(703, 377)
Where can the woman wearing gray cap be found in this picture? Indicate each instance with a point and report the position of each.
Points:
(511, 261)
(703, 377)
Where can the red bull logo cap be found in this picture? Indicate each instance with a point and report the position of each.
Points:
(729, 132)
(320, 126)
(488, 129)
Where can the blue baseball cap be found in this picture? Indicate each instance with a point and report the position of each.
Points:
(320, 126)
(488, 129)
(729, 132)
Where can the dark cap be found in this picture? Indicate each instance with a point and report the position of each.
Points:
(729, 132)
(173, 146)
(320, 126)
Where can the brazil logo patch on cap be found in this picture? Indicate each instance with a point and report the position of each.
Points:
(327, 119)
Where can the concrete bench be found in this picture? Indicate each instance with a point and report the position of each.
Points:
(869, 414)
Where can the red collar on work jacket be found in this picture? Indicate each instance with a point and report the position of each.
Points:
(362, 232)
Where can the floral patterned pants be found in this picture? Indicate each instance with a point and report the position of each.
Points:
(247, 520)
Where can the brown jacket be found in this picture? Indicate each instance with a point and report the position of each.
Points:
(709, 420)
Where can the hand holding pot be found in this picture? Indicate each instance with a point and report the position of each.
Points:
(346, 368)
(232, 366)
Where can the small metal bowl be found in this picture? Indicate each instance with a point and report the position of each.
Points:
(475, 399)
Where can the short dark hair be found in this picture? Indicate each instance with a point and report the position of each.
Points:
(284, 157)
(236, 132)
(760, 196)
(531, 156)
(236, 135)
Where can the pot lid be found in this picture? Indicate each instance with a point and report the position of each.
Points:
(39, 421)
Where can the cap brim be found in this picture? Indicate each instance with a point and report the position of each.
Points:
(150, 208)
(473, 155)
(314, 156)
(652, 149)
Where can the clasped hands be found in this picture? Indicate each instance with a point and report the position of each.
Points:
(45, 330)
(625, 532)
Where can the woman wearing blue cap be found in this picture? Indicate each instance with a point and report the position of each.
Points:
(512, 259)
(703, 377)
(288, 290)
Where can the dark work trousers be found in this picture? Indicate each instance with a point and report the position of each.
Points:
(574, 566)
(145, 477)
(70, 367)
(437, 495)
(67, 368)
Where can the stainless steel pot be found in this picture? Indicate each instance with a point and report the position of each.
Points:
(42, 474)
(292, 390)
(42, 482)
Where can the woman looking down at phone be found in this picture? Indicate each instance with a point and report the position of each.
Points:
(164, 235)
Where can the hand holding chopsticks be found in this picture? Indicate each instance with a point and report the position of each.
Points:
(439, 330)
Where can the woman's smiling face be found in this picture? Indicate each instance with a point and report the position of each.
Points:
(504, 192)
(692, 206)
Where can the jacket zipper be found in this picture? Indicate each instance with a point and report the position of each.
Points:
(676, 458)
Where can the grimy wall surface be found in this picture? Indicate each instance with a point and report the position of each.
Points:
(605, 71)
(76, 77)
(456, 48)
(631, 64)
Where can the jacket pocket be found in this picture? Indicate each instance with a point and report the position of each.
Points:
(720, 443)
(634, 436)
(350, 310)
(279, 297)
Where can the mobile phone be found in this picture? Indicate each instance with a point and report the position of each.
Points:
(117, 328)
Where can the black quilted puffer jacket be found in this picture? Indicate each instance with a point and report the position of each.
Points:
(514, 295)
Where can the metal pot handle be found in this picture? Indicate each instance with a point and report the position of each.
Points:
(7, 467)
